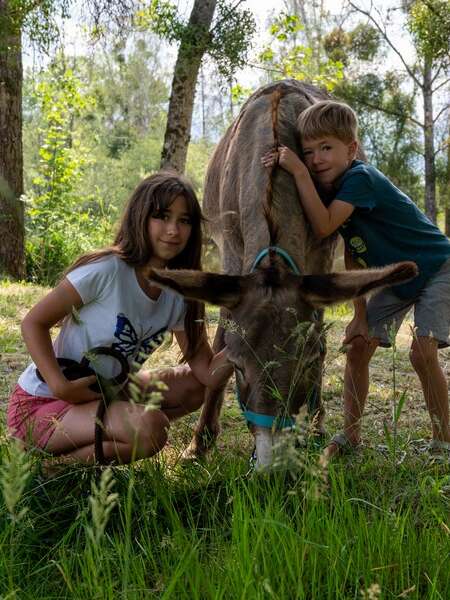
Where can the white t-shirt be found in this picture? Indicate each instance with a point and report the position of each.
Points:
(116, 314)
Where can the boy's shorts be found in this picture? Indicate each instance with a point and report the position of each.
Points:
(385, 311)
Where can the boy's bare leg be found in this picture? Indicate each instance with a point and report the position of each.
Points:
(356, 387)
(424, 358)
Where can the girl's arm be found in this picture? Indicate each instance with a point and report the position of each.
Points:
(212, 370)
(36, 334)
(324, 221)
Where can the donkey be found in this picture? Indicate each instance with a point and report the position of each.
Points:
(274, 279)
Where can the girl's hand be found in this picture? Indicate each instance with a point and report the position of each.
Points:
(77, 391)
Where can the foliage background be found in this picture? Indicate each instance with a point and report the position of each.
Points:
(94, 122)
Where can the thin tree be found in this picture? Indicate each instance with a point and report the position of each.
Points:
(426, 19)
(181, 103)
(225, 37)
(447, 190)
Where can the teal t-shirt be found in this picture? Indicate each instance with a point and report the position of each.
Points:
(387, 227)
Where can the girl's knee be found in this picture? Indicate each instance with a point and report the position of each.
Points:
(153, 432)
(195, 394)
(145, 431)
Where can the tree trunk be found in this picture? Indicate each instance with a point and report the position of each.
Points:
(447, 189)
(181, 104)
(11, 159)
(430, 171)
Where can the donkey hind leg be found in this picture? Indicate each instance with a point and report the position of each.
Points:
(207, 428)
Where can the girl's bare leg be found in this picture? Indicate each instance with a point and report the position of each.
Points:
(184, 395)
(130, 432)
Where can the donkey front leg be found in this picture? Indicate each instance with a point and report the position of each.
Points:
(207, 428)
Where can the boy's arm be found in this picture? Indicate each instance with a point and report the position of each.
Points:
(324, 221)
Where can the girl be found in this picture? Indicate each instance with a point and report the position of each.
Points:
(112, 318)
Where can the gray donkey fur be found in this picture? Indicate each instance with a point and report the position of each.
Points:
(235, 189)
(274, 339)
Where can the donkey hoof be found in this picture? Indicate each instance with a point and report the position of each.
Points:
(193, 453)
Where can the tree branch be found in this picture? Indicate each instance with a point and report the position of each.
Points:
(230, 10)
(386, 37)
(442, 147)
(436, 75)
(266, 69)
(443, 109)
(440, 85)
(391, 112)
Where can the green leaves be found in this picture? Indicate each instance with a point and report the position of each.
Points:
(58, 221)
(429, 24)
(38, 19)
(285, 26)
(231, 38)
(287, 57)
(227, 43)
(161, 17)
(239, 93)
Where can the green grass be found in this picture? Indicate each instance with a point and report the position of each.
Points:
(211, 532)
(372, 525)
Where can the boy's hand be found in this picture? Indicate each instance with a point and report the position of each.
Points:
(285, 157)
(357, 327)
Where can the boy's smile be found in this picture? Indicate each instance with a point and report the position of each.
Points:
(327, 158)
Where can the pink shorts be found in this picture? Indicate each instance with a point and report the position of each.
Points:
(33, 418)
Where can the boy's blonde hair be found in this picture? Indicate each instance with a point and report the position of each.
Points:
(328, 118)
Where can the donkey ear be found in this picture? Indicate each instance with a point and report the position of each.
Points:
(322, 290)
(222, 290)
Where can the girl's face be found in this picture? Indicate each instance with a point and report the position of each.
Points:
(169, 232)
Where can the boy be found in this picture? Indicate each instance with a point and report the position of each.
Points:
(380, 225)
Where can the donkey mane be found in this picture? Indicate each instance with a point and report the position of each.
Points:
(269, 204)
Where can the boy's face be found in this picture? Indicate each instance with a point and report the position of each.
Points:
(327, 158)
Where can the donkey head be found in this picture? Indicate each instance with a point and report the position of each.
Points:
(272, 352)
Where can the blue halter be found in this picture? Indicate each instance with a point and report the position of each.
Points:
(268, 421)
(284, 255)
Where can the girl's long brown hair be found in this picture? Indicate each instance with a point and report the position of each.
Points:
(132, 244)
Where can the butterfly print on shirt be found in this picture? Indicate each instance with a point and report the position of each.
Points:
(130, 345)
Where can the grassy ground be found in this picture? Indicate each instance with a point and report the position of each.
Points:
(373, 525)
